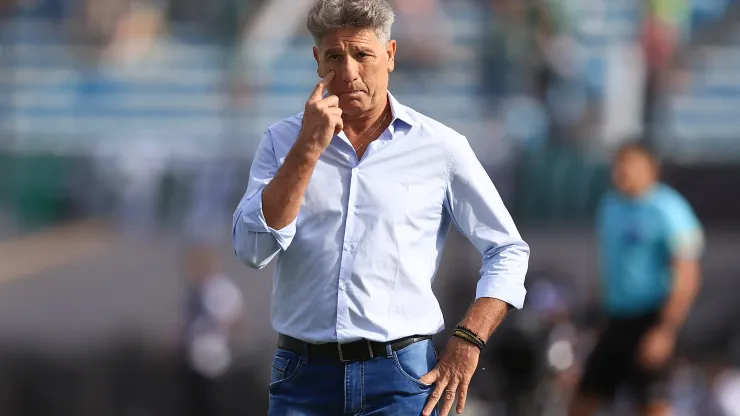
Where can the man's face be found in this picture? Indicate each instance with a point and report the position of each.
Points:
(634, 173)
(361, 64)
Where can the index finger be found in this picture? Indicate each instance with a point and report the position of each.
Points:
(318, 91)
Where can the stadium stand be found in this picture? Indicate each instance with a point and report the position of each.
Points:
(703, 120)
(181, 94)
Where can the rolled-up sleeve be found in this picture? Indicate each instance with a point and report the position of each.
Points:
(256, 243)
(479, 213)
(685, 236)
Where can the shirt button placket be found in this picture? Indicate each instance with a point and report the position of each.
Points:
(345, 269)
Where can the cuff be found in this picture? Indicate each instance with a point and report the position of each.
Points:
(254, 219)
(503, 288)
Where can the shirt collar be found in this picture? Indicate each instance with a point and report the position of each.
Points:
(400, 111)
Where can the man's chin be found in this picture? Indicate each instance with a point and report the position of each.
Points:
(352, 107)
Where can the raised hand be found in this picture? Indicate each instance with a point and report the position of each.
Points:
(322, 118)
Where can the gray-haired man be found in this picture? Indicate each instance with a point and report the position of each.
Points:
(355, 197)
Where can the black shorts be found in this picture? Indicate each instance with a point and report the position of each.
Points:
(614, 364)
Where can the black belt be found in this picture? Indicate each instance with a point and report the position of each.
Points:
(351, 351)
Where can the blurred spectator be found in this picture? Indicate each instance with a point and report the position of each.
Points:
(99, 20)
(54, 10)
(529, 53)
(210, 184)
(135, 174)
(535, 357)
(214, 309)
(422, 28)
(6, 8)
(219, 19)
(533, 39)
(135, 32)
(726, 391)
(552, 26)
(663, 27)
(502, 46)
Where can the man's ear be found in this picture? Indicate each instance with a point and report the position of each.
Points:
(390, 49)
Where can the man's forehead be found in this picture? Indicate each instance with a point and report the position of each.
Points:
(349, 38)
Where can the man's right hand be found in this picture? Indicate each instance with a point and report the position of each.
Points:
(283, 196)
(322, 118)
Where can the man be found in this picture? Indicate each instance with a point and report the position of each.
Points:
(355, 197)
(650, 243)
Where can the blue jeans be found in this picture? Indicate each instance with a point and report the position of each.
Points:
(387, 385)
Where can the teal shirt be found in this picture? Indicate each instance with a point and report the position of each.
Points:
(638, 241)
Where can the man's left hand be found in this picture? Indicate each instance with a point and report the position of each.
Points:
(657, 347)
(451, 377)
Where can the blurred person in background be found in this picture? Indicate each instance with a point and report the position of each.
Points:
(214, 310)
(122, 27)
(134, 174)
(529, 48)
(663, 29)
(533, 357)
(559, 346)
(425, 32)
(221, 19)
(355, 196)
(136, 32)
(210, 199)
(516, 357)
(7, 7)
(650, 243)
(505, 51)
(726, 390)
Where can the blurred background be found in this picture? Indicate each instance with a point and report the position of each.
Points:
(127, 129)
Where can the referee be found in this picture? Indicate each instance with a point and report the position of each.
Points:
(650, 243)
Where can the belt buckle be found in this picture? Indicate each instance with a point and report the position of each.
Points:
(341, 353)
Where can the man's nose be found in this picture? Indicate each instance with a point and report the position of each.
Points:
(350, 70)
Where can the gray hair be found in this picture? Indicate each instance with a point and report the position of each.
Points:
(328, 16)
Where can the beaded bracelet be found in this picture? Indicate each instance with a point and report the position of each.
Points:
(470, 336)
(467, 338)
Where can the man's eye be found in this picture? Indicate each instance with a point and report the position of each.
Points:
(363, 55)
(333, 57)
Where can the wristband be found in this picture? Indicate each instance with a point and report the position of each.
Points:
(467, 338)
(470, 336)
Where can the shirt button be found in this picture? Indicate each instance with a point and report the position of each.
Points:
(348, 246)
(342, 286)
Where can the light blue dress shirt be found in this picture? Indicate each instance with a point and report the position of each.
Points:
(639, 239)
(359, 260)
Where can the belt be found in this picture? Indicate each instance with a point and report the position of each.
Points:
(351, 351)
